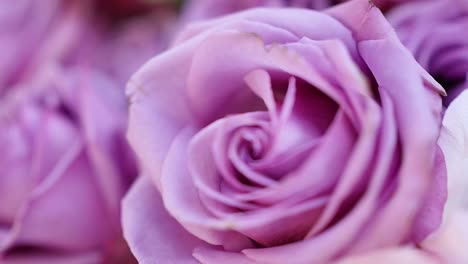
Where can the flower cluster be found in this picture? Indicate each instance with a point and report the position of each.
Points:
(234, 131)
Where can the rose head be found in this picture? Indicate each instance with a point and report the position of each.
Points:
(64, 169)
(283, 136)
(391, 256)
(434, 31)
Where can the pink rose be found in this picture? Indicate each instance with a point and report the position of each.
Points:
(65, 166)
(284, 136)
(403, 255)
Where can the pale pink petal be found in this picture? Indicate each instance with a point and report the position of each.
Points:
(152, 234)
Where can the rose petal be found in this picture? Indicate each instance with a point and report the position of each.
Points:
(391, 256)
(156, 111)
(211, 256)
(152, 234)
(454, 144)
(181, 198)
(417, 134)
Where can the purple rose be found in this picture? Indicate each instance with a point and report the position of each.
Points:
(33, 34)
(65, 166)
(283, 136)
(435, 32)
(405, 255)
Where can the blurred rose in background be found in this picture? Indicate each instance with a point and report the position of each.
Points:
(65, 160)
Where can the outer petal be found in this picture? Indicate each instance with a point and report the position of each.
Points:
(152, 234)
(418, 120)
(158, 108)
(299, 22)
(391, 256)
(454, 143)
(210, 256)
(404, 255)
(368, 23)
(451, 239)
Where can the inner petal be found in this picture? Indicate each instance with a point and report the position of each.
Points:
(240, 154)
(298, 111)
(223, 136)
(299, 115)
(317, 173)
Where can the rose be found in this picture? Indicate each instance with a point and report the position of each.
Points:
(65, 166)
(203, 9)
(32, 34)
(391, 256)
(434, 31)
(283, 136)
